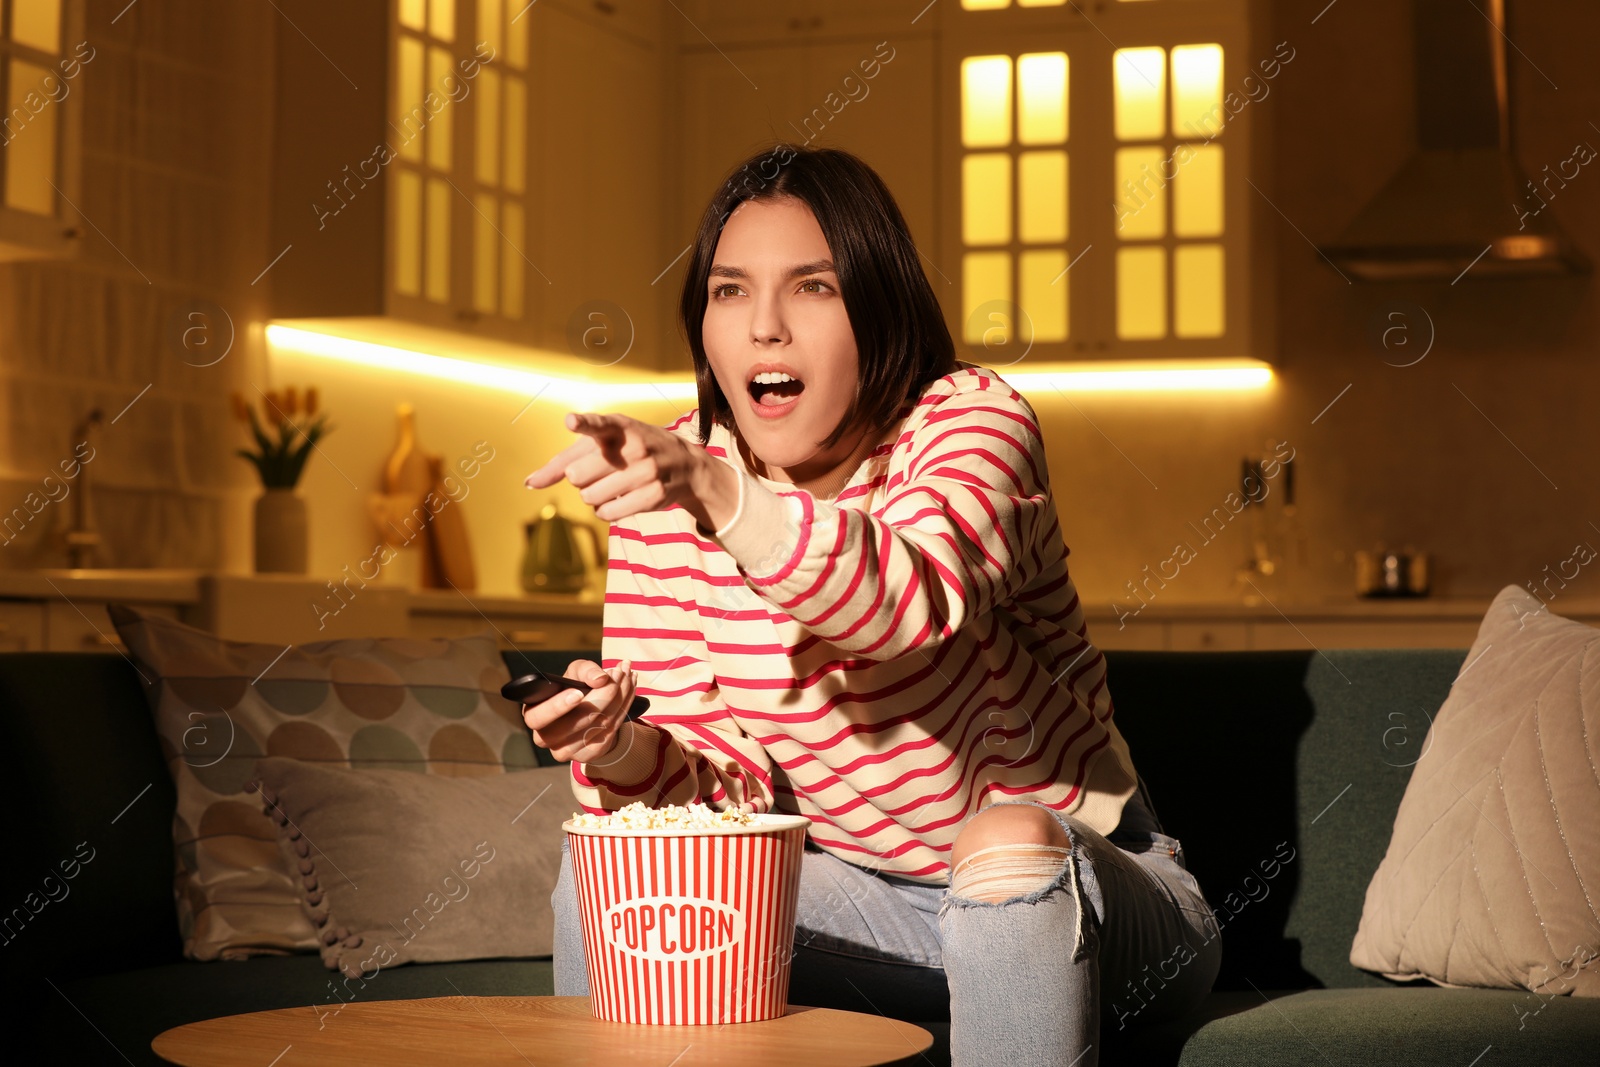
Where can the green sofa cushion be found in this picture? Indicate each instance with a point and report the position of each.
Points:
(1244, 752)
(1413, 1026)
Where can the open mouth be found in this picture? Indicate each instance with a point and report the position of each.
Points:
(775, 389)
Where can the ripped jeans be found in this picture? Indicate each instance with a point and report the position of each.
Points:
(1120, 938)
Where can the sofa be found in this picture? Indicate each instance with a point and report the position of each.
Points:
(1281, 772)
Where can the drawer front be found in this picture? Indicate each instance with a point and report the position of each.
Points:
(1363, 634)
(1208, 636)
(1134, 635)
(21, 626)
(84, 626)
(518, 632)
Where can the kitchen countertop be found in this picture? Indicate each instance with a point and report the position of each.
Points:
(144, 586)
(1409, 609)
(178, 586)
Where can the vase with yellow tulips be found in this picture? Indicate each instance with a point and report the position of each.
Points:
(279, 459)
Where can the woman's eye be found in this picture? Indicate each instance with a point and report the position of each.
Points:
(815, 281)
(717, 292)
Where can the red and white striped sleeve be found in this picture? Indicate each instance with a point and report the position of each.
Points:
(955, 538)
(687, 747)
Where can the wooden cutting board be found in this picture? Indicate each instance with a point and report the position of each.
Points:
(451, 547)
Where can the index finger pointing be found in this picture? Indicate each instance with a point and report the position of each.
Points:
(554, 468)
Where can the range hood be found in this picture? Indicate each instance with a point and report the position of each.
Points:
(1461, 200)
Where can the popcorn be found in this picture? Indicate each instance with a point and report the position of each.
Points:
(637, 816)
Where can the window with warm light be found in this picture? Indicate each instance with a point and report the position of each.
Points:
(501, 167)
(1107, 135)
(1014, 170)
(1169, 278)
(30, 136)
(471, 150)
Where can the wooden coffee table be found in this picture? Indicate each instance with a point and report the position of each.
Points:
(519, 1031)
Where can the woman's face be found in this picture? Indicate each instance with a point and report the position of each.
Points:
(773, 311)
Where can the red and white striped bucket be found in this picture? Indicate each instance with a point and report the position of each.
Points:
(689, 927)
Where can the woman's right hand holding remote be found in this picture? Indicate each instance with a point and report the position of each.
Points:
(583, 726)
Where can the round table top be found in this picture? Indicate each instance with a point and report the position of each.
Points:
(516, 1031)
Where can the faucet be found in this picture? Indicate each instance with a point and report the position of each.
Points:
(83, 541)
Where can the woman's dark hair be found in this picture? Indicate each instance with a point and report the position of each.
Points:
(901, 337)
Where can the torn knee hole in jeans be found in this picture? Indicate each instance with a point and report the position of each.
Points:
(1006, 875)
(999, 873)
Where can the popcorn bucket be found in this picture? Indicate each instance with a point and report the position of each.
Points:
(689, 926)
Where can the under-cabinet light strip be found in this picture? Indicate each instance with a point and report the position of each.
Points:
(589, 393)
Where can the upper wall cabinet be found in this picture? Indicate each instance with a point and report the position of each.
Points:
(719, 23)
(42, 60)
(478, 165)
(1098, 198)
(866, 94)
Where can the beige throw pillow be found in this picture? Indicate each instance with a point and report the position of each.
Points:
(1492, 877)
(427, 706)
(405, 868)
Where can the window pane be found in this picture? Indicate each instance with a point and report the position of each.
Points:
(37, 24)
(1198, 279)
(31, 148)
(516, 32)
(1139, 74)
(1043, 297)
(1040, 3)
(488, 132)
(437, 256)
(986, 276)
(1141, 293)
(413, 13)
(1042, 98)
(986, 101)
(1197, 90)
(489, 26)
(516, 140)
(440, 67)
(407, 232)
(485, 254)
(984, 5)
(410, 117)
(1141, 202)
(511, 262)
(1042, 195)
(1197, 192)
(986, 198)
(442, 19)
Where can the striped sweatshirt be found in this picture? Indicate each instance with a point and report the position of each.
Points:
(885, 662)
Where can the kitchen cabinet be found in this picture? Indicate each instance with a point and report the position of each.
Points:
(1207, 636)
(1096, 189)
(43, 57)
(1218, 627)
(625, 18)
(788, 20)
(21, 627)
(65, 611)
(600, 183)
(485, 166)
(737, 100)
(548, 622)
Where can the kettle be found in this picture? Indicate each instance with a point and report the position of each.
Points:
(554, 561)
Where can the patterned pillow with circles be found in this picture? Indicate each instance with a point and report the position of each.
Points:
(428, 707)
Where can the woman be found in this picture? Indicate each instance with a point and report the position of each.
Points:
(842, 584)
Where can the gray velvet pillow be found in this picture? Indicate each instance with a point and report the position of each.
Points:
(398, 867)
